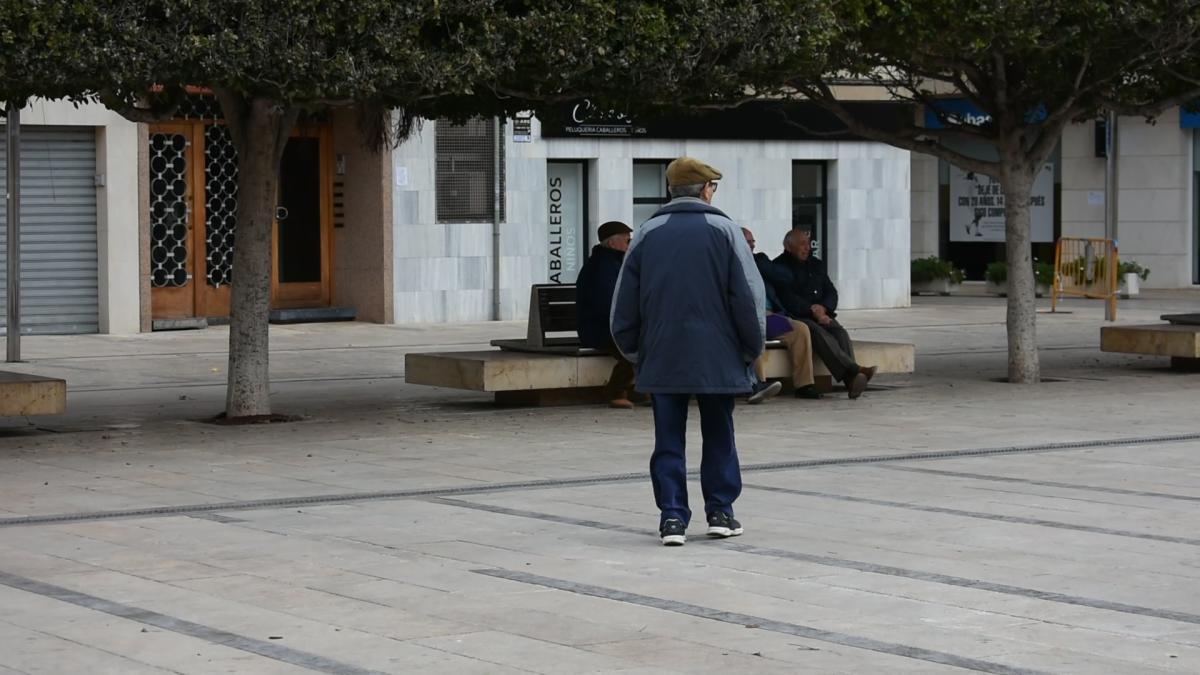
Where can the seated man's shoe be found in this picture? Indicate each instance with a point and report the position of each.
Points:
(763, 391)
(621, 403)
(723, 525)
(856, 386)
(672, 532)
(869, 371)
(808, 391)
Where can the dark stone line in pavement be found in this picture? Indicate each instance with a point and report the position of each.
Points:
(857, 565)
(1038, 522)
(350, 497)
(761, 623)
(1044, 483)
(166, 622)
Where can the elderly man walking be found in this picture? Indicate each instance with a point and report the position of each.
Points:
(689, 312)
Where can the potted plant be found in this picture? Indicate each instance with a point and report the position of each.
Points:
(934, 275)
(1043, 277)
(1131, 275)
(996, 275)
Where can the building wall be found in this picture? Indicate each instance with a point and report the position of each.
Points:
(443, 271)
(362, 234)
(924, 233)
(1154, 211)
(116, 202)
(868, 200)
(1154, 220)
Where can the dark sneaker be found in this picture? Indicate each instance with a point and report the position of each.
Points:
(673, 532)
(856, 386)
(722, 524)
(763, 391)
(808, 391)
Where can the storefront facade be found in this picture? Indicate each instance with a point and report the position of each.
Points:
(1156, 200)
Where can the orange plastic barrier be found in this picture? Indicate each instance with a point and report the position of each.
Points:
(1085, 268)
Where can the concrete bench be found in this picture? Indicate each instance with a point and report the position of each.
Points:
(23, 395)
(573, 375)
(1180, 340)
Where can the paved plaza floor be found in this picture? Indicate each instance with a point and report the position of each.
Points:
(943, 522)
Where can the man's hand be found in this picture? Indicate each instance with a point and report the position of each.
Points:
(820, 314)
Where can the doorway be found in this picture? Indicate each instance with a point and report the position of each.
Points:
(300, 247)
(193, 212)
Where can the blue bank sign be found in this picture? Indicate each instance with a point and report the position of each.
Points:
(956, 110)
(963, 112)
(1189, 116)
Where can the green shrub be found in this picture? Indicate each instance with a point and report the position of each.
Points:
(934, 268)
(997, 272)
(1043, 273)
(1132, 267)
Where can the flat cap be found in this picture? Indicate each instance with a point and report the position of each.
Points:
(690, 171)
(611, 228)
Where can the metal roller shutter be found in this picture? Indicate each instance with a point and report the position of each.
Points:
(59, 274)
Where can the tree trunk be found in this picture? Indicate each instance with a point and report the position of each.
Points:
(1017, 182)
(259, 129)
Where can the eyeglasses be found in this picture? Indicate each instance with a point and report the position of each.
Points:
(713, 184)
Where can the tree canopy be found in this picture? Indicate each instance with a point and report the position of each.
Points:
(42, 53)
(1032, 66)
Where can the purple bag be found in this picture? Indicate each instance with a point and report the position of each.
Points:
(777, 324)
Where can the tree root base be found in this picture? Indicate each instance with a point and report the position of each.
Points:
(275, 418)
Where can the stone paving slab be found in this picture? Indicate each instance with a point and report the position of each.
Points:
(492, 553)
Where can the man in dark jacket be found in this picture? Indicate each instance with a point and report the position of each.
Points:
(593, 304)
(792, 333)
(689, 313)
(811, 298)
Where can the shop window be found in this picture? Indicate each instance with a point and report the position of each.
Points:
(465, 179)
(649, 188)
(809, 202)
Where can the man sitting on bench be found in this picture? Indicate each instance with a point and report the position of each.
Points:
(594, 293)
(793, 334)
(811, 298)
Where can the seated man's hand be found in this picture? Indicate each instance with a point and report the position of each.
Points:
(821, 314)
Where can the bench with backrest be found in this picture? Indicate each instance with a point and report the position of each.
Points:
(1178, 339)
(550, 366)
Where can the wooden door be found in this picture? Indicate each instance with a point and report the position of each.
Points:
(174, 156)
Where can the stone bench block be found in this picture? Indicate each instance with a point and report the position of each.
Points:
(1181, 342)
(24, 395)
(507, 373)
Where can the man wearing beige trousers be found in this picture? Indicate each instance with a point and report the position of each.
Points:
(793, 334)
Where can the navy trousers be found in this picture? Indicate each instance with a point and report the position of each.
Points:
(720, 475)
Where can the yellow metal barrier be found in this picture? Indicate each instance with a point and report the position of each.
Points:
(1085, 268)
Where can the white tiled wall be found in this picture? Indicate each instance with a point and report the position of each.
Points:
(443, 271)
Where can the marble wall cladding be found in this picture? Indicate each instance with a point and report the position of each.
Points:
(872, 242)
(1154, 219)
(443, 270)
